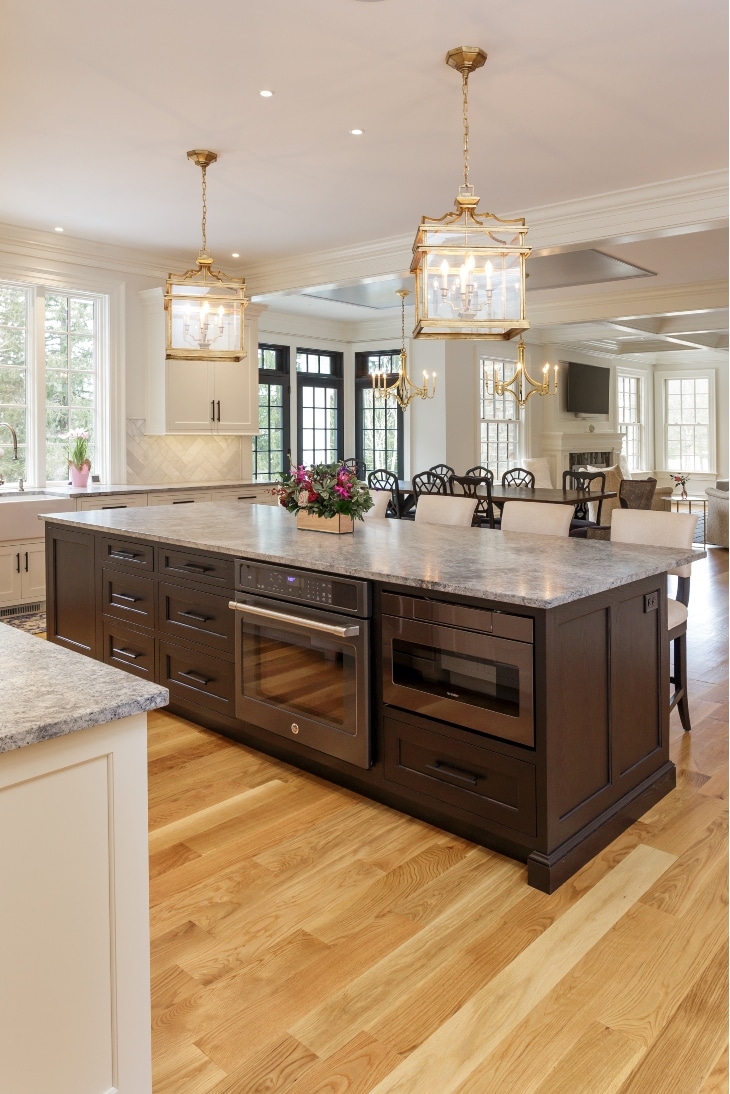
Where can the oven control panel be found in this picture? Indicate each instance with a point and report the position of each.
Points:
(340, 594)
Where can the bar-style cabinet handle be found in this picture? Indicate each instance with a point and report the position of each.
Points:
(190, 675)
(212, 410)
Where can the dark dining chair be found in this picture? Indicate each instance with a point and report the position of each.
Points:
(468, 486)
(482, 472)
(443, 470)
(382, 479)
(428, 482)
(636, 493)
(519, 476)
(589, 482)
(357, 466)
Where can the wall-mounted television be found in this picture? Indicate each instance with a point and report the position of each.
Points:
(588, 389)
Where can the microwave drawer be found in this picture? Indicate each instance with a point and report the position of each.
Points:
(465, 678)
(460, 774)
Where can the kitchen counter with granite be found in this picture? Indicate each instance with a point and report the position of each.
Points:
(95, 489)
(514, 568)
(47, 691)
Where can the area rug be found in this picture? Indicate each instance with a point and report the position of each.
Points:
(31, 623)
(699, 530)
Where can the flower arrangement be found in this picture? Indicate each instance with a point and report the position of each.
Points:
(78, 448)
(323, 490)
(681, 479)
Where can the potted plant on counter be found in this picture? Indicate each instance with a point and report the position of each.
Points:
(79, 464)
(326, 497)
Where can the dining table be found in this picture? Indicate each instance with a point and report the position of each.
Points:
(501, 494)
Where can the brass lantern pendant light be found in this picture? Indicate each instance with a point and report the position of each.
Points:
(403, 390)
(469, 266)
(204, 306)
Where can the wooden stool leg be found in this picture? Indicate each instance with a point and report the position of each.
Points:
(680, 681)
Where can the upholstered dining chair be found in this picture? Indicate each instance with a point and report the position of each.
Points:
(541, 517)
(436, 509)
(381, 501)
(518, 476)
(636, 493)
(655, 529)
(382, 479)
(583, 517)
(428, 482)
(481, 472)
(479, 487)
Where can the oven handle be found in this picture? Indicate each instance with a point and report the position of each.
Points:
(307, 624)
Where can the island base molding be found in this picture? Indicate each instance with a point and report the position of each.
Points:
(548, 872)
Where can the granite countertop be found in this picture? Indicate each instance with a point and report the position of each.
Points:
(515, 568)
(47, 691)
(97, 489)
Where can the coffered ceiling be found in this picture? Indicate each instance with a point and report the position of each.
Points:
(583, 115)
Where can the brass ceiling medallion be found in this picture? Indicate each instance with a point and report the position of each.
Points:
(521, 385)
(403, 390)
(205, 306)
(469, 266)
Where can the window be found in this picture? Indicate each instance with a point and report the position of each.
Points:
(500, 422)
(319, 407)
(630, 413)
(688, 408)
(378, 422)
(51, 386)
(271, 453)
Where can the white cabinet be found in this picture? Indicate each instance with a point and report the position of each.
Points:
(199, 396)
(22, 572)
(179, 497)
(252, 495)
(111, 501)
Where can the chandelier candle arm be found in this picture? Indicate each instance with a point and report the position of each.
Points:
(403, 390)
(521, 385)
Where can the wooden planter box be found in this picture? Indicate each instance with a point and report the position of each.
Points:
(337, 524)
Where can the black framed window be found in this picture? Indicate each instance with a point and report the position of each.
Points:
(271, 446)
(320, 411)
(378, 422)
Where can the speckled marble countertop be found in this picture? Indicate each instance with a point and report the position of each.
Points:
(96, 489)
(47, 691)
(530, 570)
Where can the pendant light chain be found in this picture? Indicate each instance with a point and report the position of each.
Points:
(205, 208)
(465, 96)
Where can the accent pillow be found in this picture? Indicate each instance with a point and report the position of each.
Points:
(614, 476)
(540, 468)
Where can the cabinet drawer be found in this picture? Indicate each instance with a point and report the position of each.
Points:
(195, 615)
(458, 773)
(197, 677)
(129, 649)
(128, 596)
(112, 501)
(128, 553)
(208, 568)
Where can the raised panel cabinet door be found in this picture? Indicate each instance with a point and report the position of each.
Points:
(236, 397)
(33, 570)
(10, 573)
(190, 406)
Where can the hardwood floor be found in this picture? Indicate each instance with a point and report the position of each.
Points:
(305, 939)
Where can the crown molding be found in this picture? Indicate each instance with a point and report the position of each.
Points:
(631, 302)
(49, 249)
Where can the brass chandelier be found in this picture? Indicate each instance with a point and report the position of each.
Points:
(205, 306)
(403, 390)
(469, 266)
(521, 385)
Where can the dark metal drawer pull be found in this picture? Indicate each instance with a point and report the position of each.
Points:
(445, 769)
(127, 555)
(126, 653)
(190, 675)
(123, 596)
(184, 501)
(115, 507)
(197, 616)
(197, 568)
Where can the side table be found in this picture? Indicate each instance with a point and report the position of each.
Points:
(691, 499)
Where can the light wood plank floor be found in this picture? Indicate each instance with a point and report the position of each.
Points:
(305, 939)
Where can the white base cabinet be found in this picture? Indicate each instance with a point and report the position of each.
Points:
(22, 572)
(74, 908)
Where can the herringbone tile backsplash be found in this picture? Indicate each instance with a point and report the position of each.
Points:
(185, 458)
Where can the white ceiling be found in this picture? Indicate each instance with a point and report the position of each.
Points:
(577, 99)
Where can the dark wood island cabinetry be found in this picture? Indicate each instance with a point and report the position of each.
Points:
(597, 756)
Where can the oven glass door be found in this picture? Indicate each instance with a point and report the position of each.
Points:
(306, 683)
(470, 679)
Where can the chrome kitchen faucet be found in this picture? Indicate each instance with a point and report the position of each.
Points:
(15, 446)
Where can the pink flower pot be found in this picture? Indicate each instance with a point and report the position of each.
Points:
(79, 475)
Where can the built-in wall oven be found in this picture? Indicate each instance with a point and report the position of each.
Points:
(468, 666)
(303, 658)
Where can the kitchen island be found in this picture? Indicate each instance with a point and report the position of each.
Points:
(150, 590)
(74, 946)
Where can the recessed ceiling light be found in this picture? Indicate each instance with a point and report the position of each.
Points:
(235, 254)
(58, 229)
(356, 132)
(265, 94)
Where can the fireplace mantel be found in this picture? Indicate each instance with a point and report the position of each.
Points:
(558, 447)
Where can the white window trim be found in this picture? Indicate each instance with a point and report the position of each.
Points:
(519, 418)
(111, 456)
(646, 412)
(660, 434)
